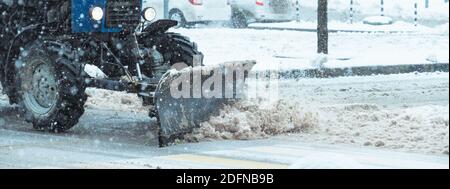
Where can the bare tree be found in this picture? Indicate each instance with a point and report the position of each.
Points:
(322, 26)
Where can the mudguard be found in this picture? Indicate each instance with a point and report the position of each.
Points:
(160, 26)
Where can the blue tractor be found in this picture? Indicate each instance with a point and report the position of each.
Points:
(45, 45)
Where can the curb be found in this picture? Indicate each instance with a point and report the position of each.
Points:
(329, 30)
(362, 71)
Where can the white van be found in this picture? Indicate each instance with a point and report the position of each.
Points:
(248, 11)
(195, 11)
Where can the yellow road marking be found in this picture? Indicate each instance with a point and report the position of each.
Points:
(235, 163)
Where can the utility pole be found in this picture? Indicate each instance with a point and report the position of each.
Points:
(322, 26)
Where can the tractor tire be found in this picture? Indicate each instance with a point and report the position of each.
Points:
(51, 89)
(182, 50)
(238, 19)
(175, 48)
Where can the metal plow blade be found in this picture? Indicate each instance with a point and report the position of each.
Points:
(184, 99)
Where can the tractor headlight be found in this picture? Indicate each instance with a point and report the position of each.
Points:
(149, 14)
(96, 13)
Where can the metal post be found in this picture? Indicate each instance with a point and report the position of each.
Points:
(351, 12)
(297, 8)
(416, 14)
(166, 9)
(322, 27)
(382, 7)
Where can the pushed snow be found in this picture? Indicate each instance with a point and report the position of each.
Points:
(111, 100)
(318, 112)
(423, 128)
(248, 120)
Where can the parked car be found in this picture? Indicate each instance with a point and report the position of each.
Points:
(245, 12)
(198, 11)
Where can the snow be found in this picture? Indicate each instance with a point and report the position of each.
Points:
(372, 112)
(399, 26)
(418, 129)
(399, 16)
(248, 120)
(378, 20)
(437, 12)
(286, 50)
(111, 100)
(94, 71)
(407, 112)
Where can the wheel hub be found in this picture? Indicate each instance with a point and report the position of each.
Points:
(44, 86)
(42, 95)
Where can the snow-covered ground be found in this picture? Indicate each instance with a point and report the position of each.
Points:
(380, 111)
(406, 112)
(297, 50)
(358, 122)
(362, 121)
(400, 10)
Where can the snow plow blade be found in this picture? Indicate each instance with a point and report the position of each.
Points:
(185, 99)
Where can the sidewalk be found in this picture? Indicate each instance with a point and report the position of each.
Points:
(335, 27)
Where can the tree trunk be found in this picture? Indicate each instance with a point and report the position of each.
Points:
(322, 26)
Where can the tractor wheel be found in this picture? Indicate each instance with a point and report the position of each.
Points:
(51, 89)
(238, 19)
(181, 49)
(175, 48)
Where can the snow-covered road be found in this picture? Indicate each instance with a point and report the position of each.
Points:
(398, 121)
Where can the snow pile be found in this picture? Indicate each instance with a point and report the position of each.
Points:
(111, 100)
(422, 129)
(247, 120)
(378, 20)
(319, 61)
